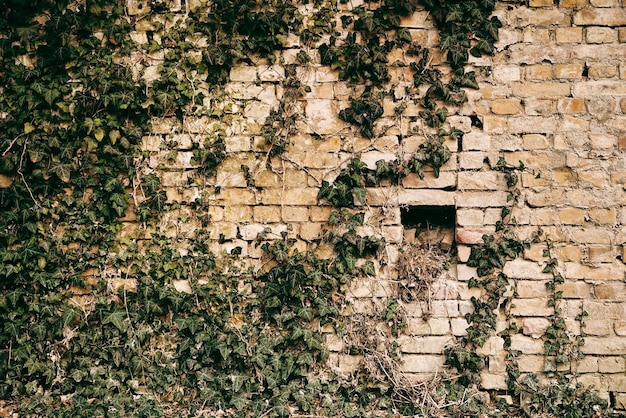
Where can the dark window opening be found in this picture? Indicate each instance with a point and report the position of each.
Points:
(429, 225)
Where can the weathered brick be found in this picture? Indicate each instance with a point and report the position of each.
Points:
(541, 3)
(600, 17)
(482, 199)
(571, 105)
(531, 307)
(567, 35)
(531, 364)
(605, 346)
(574, 3)
(541, 89)
(610, 291)
(594, 88)
(506, 107)
(523, 16)
(569, 71)
(424, 345)
(527, 345)
(600, 35)
(603, 70)
(539, 72)
(603, 216)
(535, 327)
(571, 216)
(412, 363)
(427, 197)
(575, 290)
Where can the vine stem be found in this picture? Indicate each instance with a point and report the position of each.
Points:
(19, 171)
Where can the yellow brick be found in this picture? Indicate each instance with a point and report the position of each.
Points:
(574, 3)
(602, 254)
(596, 179)
(541, 3)
(266, 214)
(569, 71)
(569, 253)
(506, 107)
(603, 216)
(602, 70)
(571, 105)
(575, 290)
(566, 35)
(541, 90)
(236, 213)
(564, 176)
(539, 72)
(295, 214)
(572, 216)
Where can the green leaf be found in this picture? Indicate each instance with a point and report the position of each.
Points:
(118, 319)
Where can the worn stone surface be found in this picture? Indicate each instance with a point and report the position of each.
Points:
(555, 100)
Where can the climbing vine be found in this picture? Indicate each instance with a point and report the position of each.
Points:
(157, 323)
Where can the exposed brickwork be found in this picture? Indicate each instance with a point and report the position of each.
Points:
(556, 100)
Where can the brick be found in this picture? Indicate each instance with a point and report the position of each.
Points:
(602, 141)
(523, 16)
(602, 70)
(539, 72)
(586, 365)
(602, 254)
(427, 197)
(600, 17)
(541, 3)
(535, 142)
(424, 345)
(479, 180)
(446, 179)
(574, 3)
(603, 216)
(472, 160)
(535, 327)
(571, 105)
(237, 213)
(569, 35)
(527, 345)
(531, 307)
(535, 35)
(506, 107)
(594, 88)
(600, 35)
(541, 90)
(481, 199)
(322, 117)
(568, 71)
(574, 290)
(493, 381)
(571, 216)
(310, 231)
(412, 363)
(610, 291)
(531, 364)
(506, 73)
(621, 33)
(604, 346)
(472, 236)
(295, 214)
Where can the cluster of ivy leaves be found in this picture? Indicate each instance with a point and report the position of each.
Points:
(91, 319)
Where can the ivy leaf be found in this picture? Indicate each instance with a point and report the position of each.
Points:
(359, 194)
(404, 35)
(369, 268)
(62, 171)
(118, 319)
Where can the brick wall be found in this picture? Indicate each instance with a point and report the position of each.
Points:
(554, 97)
